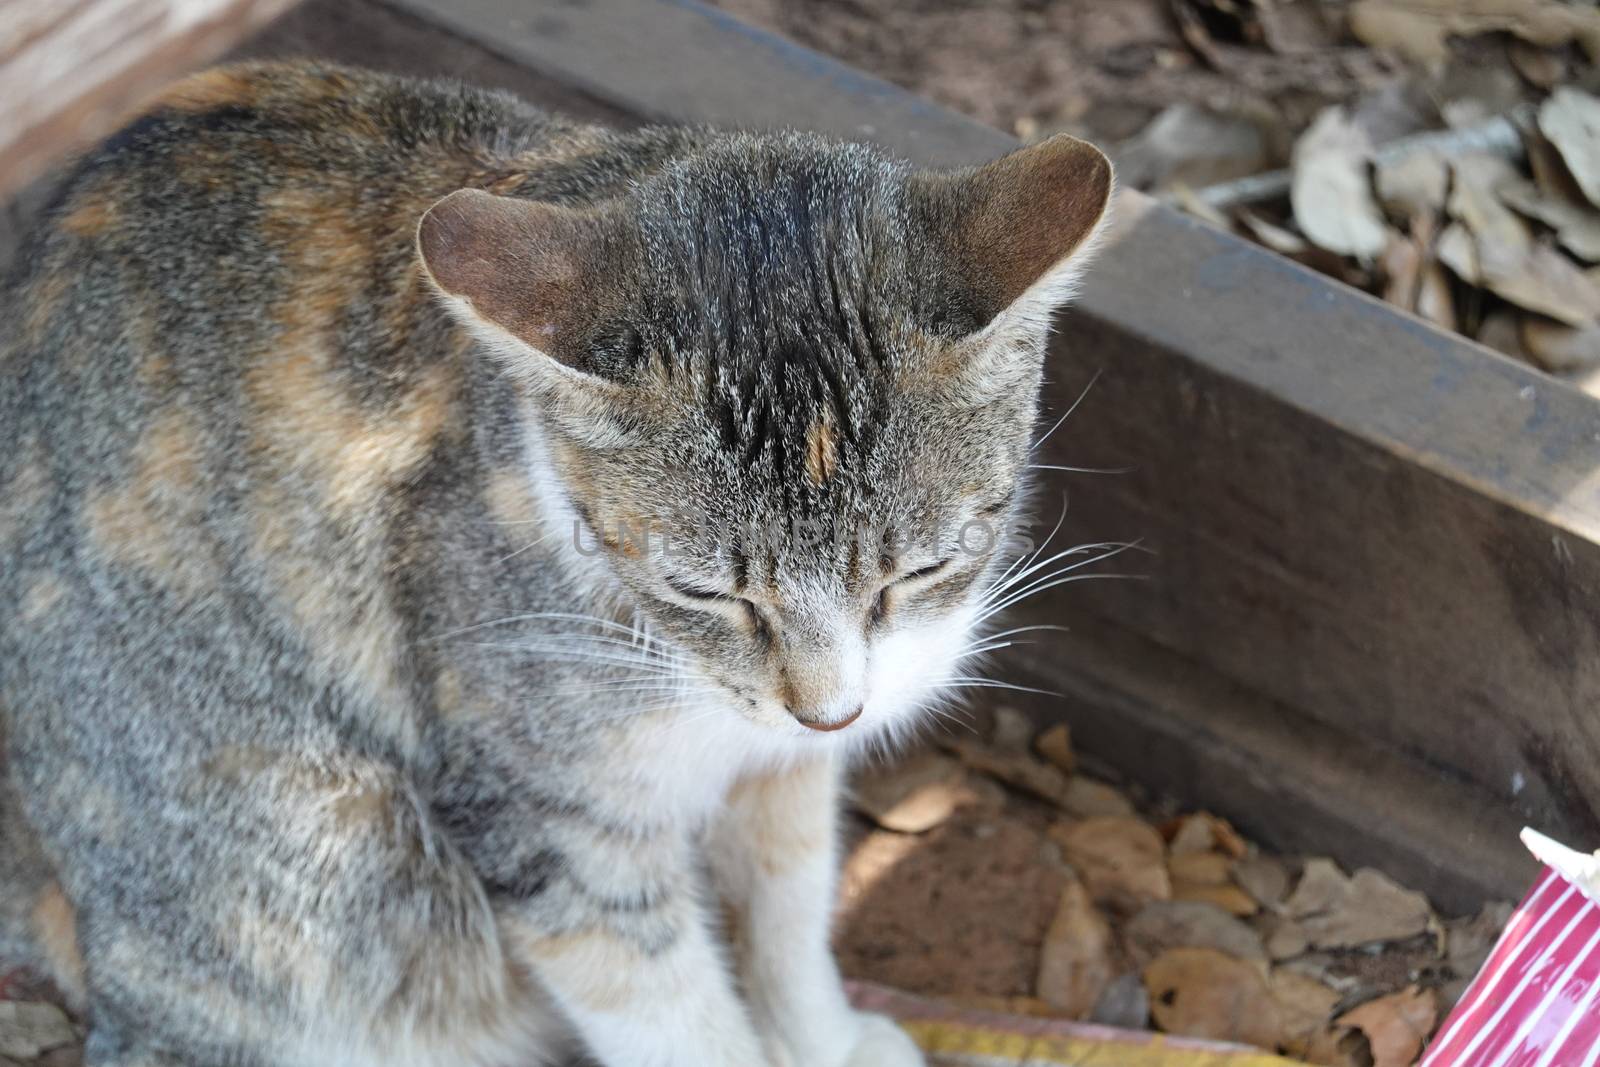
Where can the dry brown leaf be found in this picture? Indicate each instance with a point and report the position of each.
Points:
(1010, 730)
(1285, 938)
(1280, 240)
(1203, 832)
(915, 794)
(1121, 859)
(1395, 1025)
(1434, 300)
(1055, 745)
(1019, 769)
(1230, 898)
(1228, 839)
(1200, 868)
(1075, 959)
(1542, 67)
(1416, 276)
(1401, 265)
(1419, 29)
(1576, 223)
(29, 1030)
(1330, 190)
(1338, 1046)
(1200, 992)
(1474, 201)
(1413, 184)
(1457, 250)
(1491, 247)
(1188, 834)
(1340, 912)
(1305, 1007)
(1263, 877)
(1191, 202)
(1330, 73)
(1570, 118)
(1087, 798)
(1165, 924)
(1550, 171)
(1560, 349)
(1542, 279)
(1189, 145)
(1501, 330)
(1124, 1003)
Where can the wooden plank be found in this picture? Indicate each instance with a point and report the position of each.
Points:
(682, 61)
(1369, 535)
(1383, 527)
(374, 34)
(72, 70)
(1186, 732)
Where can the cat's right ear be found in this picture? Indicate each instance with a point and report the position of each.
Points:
(533, 280)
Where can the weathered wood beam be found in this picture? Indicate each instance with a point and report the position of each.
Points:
(72, 70)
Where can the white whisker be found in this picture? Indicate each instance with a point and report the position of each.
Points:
(1032, 591)
(1068, 413)
(990, 683)
(1112, 548)
(524, 548)
(1079, 470)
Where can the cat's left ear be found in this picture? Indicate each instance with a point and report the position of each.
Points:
(1016, 234)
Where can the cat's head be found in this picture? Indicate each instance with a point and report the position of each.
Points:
(786, 388)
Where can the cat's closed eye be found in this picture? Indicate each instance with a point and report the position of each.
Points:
(724, 603)
(696, 591)
(909, 582)
(921, 573)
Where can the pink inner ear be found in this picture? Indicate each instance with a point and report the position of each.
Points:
(1022, 215)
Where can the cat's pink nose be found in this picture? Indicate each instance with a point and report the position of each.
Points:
(829, 727)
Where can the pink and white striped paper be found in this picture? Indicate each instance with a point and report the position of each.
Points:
(1536, 1003)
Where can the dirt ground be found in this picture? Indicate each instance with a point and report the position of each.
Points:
(994, 873)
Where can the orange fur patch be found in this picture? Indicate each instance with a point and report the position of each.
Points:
(325, 456)
(92, 216)
(785, 817)
(55, 925)
(822, 452)
(510, 500)
(210, 90)
(600, 971)
(156, 371)
(45, 298)
(151, 521)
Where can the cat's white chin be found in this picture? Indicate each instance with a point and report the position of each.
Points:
(910, 670)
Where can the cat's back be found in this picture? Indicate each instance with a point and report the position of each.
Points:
(220, 364)
(234, 261)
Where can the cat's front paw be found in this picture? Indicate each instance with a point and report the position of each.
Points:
(881, 1043)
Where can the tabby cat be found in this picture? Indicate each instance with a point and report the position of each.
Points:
(448, 553)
